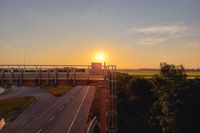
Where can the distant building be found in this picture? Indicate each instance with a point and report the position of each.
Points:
(96, 68)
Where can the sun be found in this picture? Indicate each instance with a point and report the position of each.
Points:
(101, 57)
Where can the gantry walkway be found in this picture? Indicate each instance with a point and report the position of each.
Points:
(53, 75)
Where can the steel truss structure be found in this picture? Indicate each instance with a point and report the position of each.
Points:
(111, 99)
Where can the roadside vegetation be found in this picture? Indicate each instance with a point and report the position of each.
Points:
(57, 91)
(11, 108)
(166, 103)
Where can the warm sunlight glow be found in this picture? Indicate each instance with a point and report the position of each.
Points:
(101, 58)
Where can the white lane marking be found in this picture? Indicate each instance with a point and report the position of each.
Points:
(38, 113)
(51, 118)
(77, 111)
(24, 122)
(39, 131)
(61, 108)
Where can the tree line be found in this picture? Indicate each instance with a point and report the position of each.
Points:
(166, 103)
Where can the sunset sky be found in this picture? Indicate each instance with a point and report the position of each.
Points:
(132, 33)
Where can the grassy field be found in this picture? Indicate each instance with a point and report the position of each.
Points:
(13, 107)
(57, 91)
(149, 73)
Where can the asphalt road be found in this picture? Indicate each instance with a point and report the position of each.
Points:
(66, 114)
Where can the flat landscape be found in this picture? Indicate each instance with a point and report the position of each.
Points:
(148, 73)
(99, 66)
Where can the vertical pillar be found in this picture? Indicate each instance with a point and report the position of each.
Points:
(40, 76)
(71, 76)
(67, 76)
(36, 76)
(115, 97)
(47, 83)
(74, 71)
(109, 105)
(2, 76)
(88, 75)
(103, 109)
(18, 76)
(21, 77)
(112, 114)
(11, 76)
(55, 76)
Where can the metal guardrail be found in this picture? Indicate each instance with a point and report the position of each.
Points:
(92, 125)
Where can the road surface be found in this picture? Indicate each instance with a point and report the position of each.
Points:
(66, 114)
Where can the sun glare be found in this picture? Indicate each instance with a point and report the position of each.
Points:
(100, 57)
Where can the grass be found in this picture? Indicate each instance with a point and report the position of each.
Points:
(11, 108)
(57, 91)
(151, 73)
(140, 72)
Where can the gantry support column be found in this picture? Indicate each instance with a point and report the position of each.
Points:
(74, 81)
(40, 76)
(11, 76)
(48, 76)
(2, 76)
(21, 77)
(103, 109)
(88, 75)
(55, 76)
(36, 77)
(67, 78)
(18, 76)
(112, 113)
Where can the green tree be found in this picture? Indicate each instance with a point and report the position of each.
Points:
(167, 88)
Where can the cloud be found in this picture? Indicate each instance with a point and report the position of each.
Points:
(5, 45)
(151, 41)
(160, 29)
(158, 34)
(194, 46)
